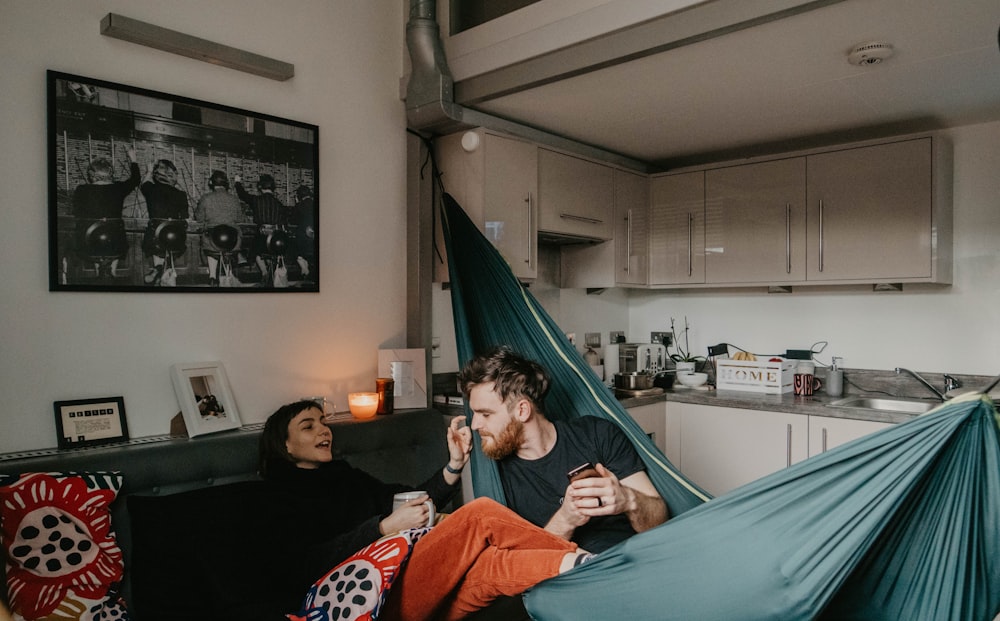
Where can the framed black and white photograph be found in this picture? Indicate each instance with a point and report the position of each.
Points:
(205, 397)
(90, 422)
(156, 192)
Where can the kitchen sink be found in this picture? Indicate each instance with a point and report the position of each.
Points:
(911, 406)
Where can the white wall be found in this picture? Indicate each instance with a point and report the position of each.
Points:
(276, 347)
(954, 329)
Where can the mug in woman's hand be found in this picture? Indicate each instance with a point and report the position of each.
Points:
(402, 498)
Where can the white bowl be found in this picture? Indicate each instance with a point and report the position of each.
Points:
(692, 380)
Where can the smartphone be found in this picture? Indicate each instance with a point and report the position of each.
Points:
(583, 471)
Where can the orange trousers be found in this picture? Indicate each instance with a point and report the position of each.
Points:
(478, 553)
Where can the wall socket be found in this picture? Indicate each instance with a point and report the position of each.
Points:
(616, 336)
(592, 339)
(664, 338)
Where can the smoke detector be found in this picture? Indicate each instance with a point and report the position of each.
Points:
(869, 53)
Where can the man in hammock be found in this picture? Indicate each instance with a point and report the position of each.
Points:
(581, 480)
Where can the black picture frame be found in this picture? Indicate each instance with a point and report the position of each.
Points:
(258, 234)
(90, 422)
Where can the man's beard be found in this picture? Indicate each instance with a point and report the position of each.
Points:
(506, 442)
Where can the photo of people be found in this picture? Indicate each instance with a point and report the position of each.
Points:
(154, 192)
(209, 405)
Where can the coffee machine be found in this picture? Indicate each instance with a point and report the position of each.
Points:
(642, 358)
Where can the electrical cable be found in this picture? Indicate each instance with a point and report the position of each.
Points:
(847, 380)
(737, 347)
(814, 351)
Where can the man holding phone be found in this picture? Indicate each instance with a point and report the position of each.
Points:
(580, 479)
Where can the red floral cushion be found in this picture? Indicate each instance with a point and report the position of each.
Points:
(357, 589)
(62, 557)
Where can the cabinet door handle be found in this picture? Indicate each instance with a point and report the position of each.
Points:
(788, 445)
(821, 235)
(788, 238)
(573, 216)
(527, 259)
(690, 244)
(628, 241)
(824, 439)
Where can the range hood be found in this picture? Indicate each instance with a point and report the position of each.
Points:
(551, 238)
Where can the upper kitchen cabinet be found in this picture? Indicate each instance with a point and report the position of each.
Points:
(631, 228)
(575, 198)
(495, 179)
(880, 213)
(677, 229)
(755, 223)
(624, 261)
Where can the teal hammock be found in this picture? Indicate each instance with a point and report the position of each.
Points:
(900, 525)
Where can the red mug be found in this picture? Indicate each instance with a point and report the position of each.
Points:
(806, 384)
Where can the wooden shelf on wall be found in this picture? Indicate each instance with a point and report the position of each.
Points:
(143, 33)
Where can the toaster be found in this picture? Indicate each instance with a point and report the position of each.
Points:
(640, 357)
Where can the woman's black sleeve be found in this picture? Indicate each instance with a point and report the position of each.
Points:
(439, 490)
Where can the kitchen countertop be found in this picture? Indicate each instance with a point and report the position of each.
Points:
(815, 405)
(857, 382)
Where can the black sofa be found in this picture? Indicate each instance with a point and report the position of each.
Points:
(189, 507)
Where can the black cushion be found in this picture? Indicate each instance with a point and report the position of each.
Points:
(203, 554)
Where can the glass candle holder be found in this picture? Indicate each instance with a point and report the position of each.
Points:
(362, 404)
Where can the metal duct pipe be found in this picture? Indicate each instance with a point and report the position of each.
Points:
(430, 95)
(430, 89)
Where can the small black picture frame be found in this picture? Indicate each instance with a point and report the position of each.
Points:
(153, 192)
(90, 422)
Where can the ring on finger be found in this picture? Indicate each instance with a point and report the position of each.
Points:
(600, 503)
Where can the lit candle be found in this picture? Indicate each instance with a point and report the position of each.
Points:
(363, 404)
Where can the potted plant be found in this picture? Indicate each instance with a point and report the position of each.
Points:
(682, 357)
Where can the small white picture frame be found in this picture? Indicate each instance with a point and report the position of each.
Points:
(408, 369)
(205, 398)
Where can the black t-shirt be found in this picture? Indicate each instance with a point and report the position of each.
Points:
(535, 488)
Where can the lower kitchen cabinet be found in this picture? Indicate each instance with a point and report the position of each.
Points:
(652, 418)
(724, 448)
(826, 433)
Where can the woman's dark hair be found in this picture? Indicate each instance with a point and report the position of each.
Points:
(512, 374)
(272, 446)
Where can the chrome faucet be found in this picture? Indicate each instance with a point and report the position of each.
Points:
(950, 383)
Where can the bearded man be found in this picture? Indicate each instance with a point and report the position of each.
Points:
(607, 503)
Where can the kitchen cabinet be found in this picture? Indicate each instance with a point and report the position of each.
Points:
(869, 213)
(623, 261)
(724, 448)
(631, 228)
(575, 197)
(653, 420)
(497, 185)
(826, 433)
(755, 223)
(877, 213)
(677, 229)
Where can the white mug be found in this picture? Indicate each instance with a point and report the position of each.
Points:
(402, 498)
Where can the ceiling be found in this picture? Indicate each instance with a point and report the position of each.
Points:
(778, 86)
